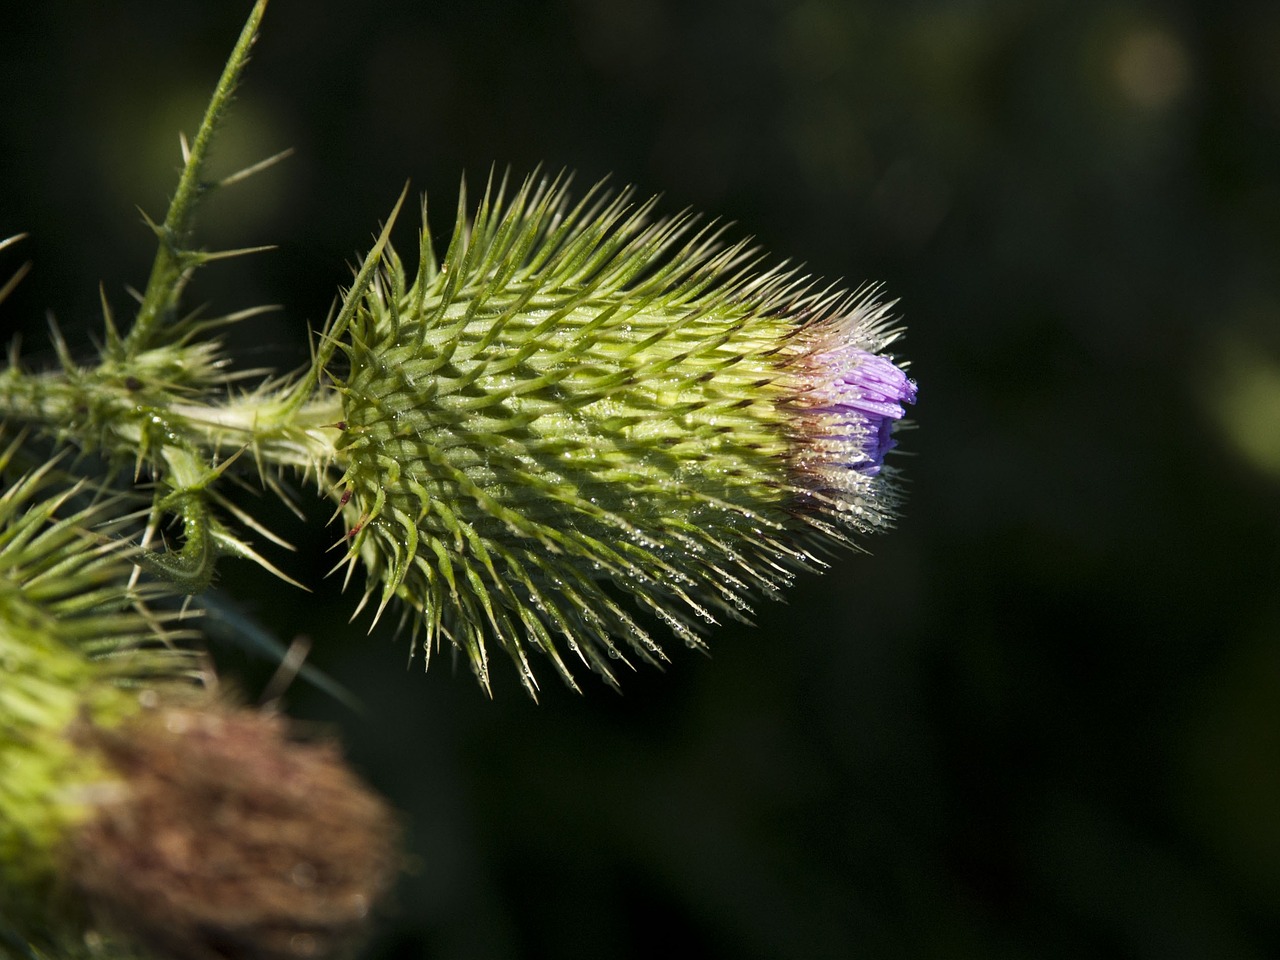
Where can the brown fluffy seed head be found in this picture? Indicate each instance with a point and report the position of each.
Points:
(224, 837)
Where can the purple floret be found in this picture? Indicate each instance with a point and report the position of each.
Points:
(865, 393)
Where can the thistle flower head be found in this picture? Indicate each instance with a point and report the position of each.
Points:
(585, 412)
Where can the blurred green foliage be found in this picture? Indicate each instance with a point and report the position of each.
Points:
(1042, 719)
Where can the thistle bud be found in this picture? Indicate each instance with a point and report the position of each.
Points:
(584, 412)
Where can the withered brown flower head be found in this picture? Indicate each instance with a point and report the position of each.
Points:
(227, 837)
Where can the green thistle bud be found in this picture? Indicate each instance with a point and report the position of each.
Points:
(584, 411)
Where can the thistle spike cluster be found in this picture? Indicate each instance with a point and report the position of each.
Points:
(586, 413)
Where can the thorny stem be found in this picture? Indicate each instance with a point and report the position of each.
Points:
(95, 413)
(174, 261)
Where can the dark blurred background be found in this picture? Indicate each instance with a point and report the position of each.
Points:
(1041, 718)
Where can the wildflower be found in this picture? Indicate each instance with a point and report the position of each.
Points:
(583, 411)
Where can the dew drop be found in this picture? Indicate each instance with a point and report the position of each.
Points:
(303, 875)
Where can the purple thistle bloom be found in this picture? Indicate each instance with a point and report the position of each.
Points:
(867, 391)
(851, 398)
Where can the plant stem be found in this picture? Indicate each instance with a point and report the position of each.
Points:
(174, 260)
(97, 413)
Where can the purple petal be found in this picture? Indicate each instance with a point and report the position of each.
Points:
(862, 396)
